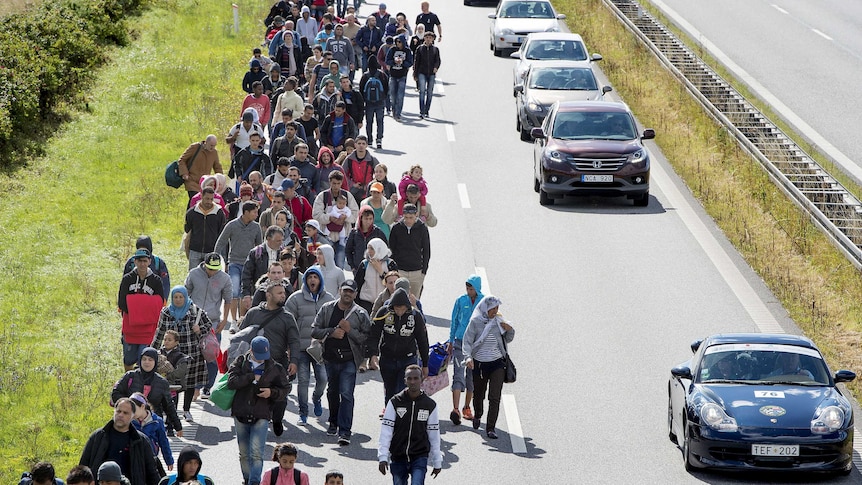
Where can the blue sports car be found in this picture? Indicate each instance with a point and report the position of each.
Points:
(760, 402)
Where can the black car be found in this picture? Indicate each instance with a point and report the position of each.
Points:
(590, 148)
(760, 402)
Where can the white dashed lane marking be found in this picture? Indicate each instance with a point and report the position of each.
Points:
(486, 286)
(462, 193)
(821, 34)
(776, 7)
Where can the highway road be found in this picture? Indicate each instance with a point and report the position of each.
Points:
(605, 299)
(804, 58)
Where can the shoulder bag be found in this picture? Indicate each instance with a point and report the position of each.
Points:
(509, 366)
(209, 344)
(172, 171)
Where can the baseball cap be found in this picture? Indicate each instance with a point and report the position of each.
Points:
(382, 6)
(348, 284)
(287, 184)
(377, 186)
(141, 253)
(260, 348)
(212, 261)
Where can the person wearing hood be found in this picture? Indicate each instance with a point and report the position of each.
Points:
(279, 328)
(125, 448)
(274, 81)
(152, 425)
(399, 59)
(485, 348)
(255, 73)
(289, 57)
(398, 330)
(369, 39)
(199, 159)
(306, 27)
(325, 166)
(145, 378)
(304, 306)
(144, 290)
(212, 182)
(374, 86)
(189, 465)
(203, 224)
(157, 264)
(191, 324)
(260, 383)
(357, 244)
(461, 313)
(324, 101)
(333, 276)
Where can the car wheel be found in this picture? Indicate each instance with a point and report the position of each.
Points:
(491, 44)
(525, 135)
(517, 122)
(686, 454)
(497, 52)
(642, 200)
(544, 198)
(670, 434)
(536, 185)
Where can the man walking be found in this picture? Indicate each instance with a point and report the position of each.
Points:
(240, 235)
(411, 248)
(410, 433)
(140, 301)
(204, 223)
(461, 381)
(199, 159)
(426, 64)
(344, 325)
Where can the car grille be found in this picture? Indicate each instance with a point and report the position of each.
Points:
(597, 164)
(807, 454)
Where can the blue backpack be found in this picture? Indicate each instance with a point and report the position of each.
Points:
(373, 91)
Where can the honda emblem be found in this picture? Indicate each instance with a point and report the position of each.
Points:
(597, 164)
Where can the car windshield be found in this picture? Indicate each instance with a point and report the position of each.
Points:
(588, 125)
(763, 364)
(563, 79)
(526, 10)
(556, 50)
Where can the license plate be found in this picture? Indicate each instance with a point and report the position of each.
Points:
(775, 450)
(521, 40)
(597, 178)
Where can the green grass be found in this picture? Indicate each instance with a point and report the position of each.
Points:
(820, 289)
(70, 220)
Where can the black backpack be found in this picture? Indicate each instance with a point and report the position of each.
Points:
(273, 476)
(373, 92)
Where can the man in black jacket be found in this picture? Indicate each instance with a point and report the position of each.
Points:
(282, 334)
(411, 248)
(257, 262)
(410, 432)
(425, 65)
(118, 441)
(204, 223)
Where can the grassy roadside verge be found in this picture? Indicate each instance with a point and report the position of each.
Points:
(70, 220)
(818, 287)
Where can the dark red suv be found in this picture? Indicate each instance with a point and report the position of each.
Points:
(590, 148)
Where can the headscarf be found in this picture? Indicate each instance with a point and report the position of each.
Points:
(179, 312)
(221, 183)
(153, 354)
(381, 250)
(480, 313)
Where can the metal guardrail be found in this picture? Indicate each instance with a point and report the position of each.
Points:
(830, 206)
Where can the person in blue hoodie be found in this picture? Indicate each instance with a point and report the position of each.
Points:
(304, 305)
(461, 312)
(255, 73)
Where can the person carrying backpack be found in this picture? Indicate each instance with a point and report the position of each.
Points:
(374, 87)
(188, 468)
(285, 455)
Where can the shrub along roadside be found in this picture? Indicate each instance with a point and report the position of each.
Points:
(820, 289)
(47, 56)
(70, 220)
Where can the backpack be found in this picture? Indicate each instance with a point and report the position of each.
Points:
(240, 343)
(273, 476)
(27, 479)
(373, 92)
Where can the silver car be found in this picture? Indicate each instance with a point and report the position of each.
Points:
(515, 19)
(549, 47)
(547, 83)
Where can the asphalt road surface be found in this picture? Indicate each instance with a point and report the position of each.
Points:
(605, 299)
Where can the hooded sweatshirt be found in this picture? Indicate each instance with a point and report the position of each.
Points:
(152, 385)
(187, 454)
(157, 264)
(252, 76)
(369, 281)
(463, 309)
(333, 276)
(358, 240)
(399, 337)
(399, 50)
(305, 304)
(486, 345)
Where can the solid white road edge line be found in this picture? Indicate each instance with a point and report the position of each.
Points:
(462, 193)
(450, 132)
(846, 163)
(486, 286)
(776, 7)
(513, 424)
(821, 34)
(438, 85)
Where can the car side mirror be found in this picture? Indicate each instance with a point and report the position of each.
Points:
(648, 134)
(492, 15)
(844, 376)
(695, 345)
(596, 57)
(515, 55)
(681, 372)
(519, 88)
(561, 16)
(606, 90)
(537, 133)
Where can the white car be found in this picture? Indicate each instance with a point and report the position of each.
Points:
(515, 19)
(549, 46)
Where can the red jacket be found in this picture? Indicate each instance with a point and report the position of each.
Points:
(301, 210)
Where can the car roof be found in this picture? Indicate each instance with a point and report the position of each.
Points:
(553, 36)
(592, 106)
(760, 338)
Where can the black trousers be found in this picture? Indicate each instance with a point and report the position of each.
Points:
(488, 377)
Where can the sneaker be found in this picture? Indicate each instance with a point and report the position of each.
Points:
(476, 423)
(344, 440)
(332, 431)
(188, 417)
(205, 394)
(303, 420)
(455, 417)
(467, 412)
(421, 116)
(171, 433)
(278, 427)
(492, 434)
(379, 144)
(318, 408)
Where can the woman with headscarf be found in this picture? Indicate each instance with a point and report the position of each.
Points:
(191, 323)
(485, 347)
(227, 194)
(212, 182)
(146, 380)
(357, 241)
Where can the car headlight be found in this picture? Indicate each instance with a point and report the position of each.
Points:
(532, 105)
(553, 155)
(831, 419)
(638, 158)
(507, 32)
(714, 416)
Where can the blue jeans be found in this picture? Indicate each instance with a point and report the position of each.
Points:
(341, 378)
(426, 92)
(340, 253)
(131, 352)
(212, 368)
(235, 272)
(365, 55)
(392, 373)
(341, 8)
(397, 85)
(415, 469)
(372, 112)
(303, 377)
(251, 439)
